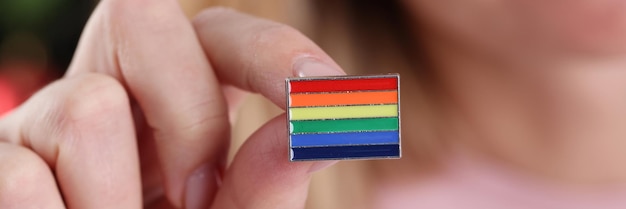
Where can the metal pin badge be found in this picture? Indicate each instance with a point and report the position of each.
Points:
(343, 117)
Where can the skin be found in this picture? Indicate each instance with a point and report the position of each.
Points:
(534, 89)
(149, 87)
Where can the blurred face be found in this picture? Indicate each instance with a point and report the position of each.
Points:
(580, 27)
(536, 79)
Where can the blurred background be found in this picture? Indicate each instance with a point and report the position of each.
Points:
(37, 41)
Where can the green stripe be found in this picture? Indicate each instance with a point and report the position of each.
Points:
(347, 125)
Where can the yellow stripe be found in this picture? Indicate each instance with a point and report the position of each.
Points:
(368, 111)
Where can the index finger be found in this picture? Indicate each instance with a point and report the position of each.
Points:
(257, 54)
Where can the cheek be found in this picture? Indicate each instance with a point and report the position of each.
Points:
(593, 26)
(589, 26)
(483, 24)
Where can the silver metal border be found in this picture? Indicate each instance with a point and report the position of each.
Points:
(343, 77)
(288, 110)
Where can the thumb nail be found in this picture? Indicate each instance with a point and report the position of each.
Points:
(201, 187)
(308, 66)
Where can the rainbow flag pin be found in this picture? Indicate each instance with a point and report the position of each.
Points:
(344, 117)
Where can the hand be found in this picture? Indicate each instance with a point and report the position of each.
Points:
(147, 84)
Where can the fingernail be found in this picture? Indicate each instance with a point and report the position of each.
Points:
(321, 165)
(201, 187)
(309, 66)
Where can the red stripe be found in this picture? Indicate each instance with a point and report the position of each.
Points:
(299, 86)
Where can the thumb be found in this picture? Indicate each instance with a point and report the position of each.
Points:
(261, 175)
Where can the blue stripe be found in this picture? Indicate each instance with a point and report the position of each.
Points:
(345, 152)
(351, 138)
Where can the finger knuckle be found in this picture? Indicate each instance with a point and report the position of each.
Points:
(21, 170)
(207, 117)
(94, 96)
(84, 100)
(74, 108)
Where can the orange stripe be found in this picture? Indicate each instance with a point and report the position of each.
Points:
(353, 98)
